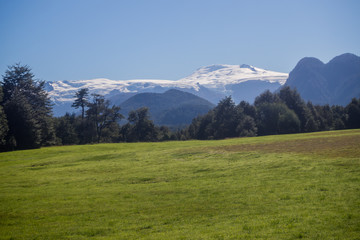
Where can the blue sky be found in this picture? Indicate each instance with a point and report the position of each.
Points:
(129, 39)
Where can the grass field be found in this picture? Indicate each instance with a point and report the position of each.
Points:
(301, 186)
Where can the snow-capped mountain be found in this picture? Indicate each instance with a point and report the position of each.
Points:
(218, 76)
(242, 82)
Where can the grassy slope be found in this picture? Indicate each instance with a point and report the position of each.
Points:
(275, 187)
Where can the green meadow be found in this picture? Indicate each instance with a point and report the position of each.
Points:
(300, 186)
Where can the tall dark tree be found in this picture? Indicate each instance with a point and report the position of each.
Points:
(225, 119)
(313, 121)
(293, 101)
(28, 109)
(141, 128)
(266, 97)
(66, 129)
(246, 126)
(24, 129)
(339, 115)
(353, 111)
(81, 100)
(275, 118)
(248, 109)
(165, 134)
(325, 114)
(288, 122)
(200, 127)
(4, 128)
(101, 115)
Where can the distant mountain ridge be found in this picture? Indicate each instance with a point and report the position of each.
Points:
(334, 83)
(171, 108)
(242, 82)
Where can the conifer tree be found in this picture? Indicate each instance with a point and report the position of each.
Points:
(3, 123)
(81, 100)
(101, 116)
(141, 127)
(27, 108)
(353, 111)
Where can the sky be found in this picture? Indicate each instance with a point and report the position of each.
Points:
(170, 39)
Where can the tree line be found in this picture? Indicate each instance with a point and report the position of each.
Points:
(272, 113)
(100, 122)
(26, 119)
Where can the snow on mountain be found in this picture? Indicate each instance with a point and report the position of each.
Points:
(211, 82)
(65, 90)
(218, 76)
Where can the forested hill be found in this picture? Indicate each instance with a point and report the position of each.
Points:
(334, 83)
(173, 107)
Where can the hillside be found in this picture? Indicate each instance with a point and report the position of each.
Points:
(173, 107)
(276, 187)
(334, 83)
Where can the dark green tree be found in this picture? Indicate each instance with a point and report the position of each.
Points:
(247, 109)
(266, 97)
(353, 111)
(27, 108)
(225, 119)
(293, 101)
(24, 129)
(165, 134)
(81, 100)
(66, 129)
(288, 122)
(4, 128)
(141, 128)
(275, 118)
(101, 116)
(325, 117)
(313, 122)
(201, 127)
(246, 127)
(340, 117)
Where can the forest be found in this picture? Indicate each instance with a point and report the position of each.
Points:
(26, 119)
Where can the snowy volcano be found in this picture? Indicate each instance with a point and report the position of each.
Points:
(242, 82)
(219, 76)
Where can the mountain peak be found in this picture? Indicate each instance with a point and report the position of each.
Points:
(309, 61)
(335, 82)
(217, 76)
(345, 59)
(212, 68)
(248, 67)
